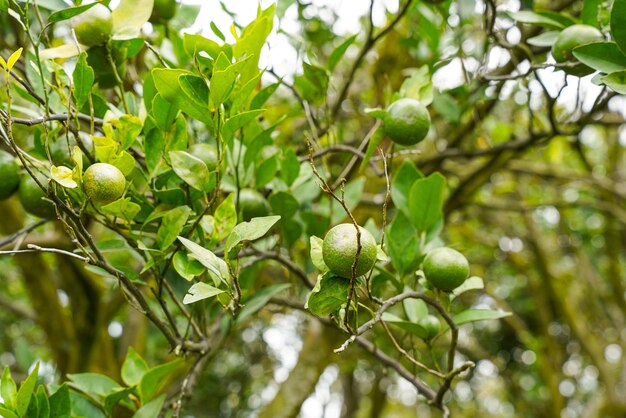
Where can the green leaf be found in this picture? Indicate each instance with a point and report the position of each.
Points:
(618, 24)
(195, 89)
(133, 368)
(116, 397)
(426, 202)
(68, 13)
(172, 224)
(284, 204)
(63, 176)
(418, 86)
(402, 183)
(589, 14)
(7, 413)
(539, 19)
(25, 393)
(372, 146)
(216, 265)
(155, 379)
(415, 309)
(354, 190)
(4, 6)
(266, 171)
(403, 244)
(338, 53)
(602, 56)
(238, 121)
(83, 78)
(83, 407)
(545, 39)
(225, 219)
(331, 294)
(43, 405)
(260, 299)
(186, 267)
(191, 170)
(93, 384)
(249, 231)
(194, 44)
(616, 81)
(60, 406)
(122, 208)
(127, 129)
(166, 82)
(472, 283)
(244, 94)
(200, 291)
(289, 167)
(129, 16)
(316, 253)
(474, 315)
(313, 83)
(62, 51)
(152, 409)
(408, 326)
(223, 79)
(251, 41)
(8, 388)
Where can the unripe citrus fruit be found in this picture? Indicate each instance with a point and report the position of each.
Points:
(103, 183)
(9, 175)
(407, 121)
(339, 250)
(94, 26)
(163, 10)
(570, 38)
(445, 268)
(206, 153)
(252, 204)
(33, 199)
(431, 325)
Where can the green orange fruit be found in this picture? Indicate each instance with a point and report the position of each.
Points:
(33, 199)
(163, 10)
(445, 268)
(206, 153)
(568, 39)
(407, 122)
(104, 183)
(94, 26)
(9, 175)
(252, 204)
(340, 247)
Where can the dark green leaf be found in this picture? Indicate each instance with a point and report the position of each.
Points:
(43, 405)
(25, 393)
(426, 202)
(284, 204)
(117, 396)
(155, 379)
(402, 183)
(83, 407)
(289, 167)
(329, 295)
(195, 89)
(68, 13)
(316, 254)
(605, 57)
(372, 146)
(266, 171)
(186, 267)
(589, 14)
(403, 243)
(83, 78)
(60, 406)
(618, 24)
(616, 81)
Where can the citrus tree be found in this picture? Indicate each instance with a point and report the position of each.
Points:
(180, 218)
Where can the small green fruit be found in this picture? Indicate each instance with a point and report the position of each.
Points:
(94, 26)
(445, 268)
(163, 10)
(104, 183)
(9, 175)
(568, 39)
(407, 122)
(339, 250)
(33, 199)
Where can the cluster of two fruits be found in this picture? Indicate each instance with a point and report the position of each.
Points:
(102, 183)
